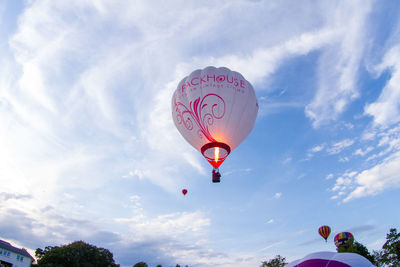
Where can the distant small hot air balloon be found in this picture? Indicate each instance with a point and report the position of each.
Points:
(324, 231)
(184, 191)
(344, 238)
(214, 109)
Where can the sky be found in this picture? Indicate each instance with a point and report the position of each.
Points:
(89, 150)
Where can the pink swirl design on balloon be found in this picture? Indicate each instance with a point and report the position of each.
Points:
(201, 112)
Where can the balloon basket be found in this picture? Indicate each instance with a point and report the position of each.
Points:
(216, 176)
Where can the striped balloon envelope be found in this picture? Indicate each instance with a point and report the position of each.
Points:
(324, 231)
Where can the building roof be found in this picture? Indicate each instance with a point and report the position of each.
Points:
(9, 247)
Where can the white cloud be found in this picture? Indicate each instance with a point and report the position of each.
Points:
(377, 179)
(372, 181)
(313, 150)
(341, 184)
(385, 111)
(339, 146)
(339, 64)
(69, 90)
(278, 195)
(174, 225)
(318, 148)
(329, 176)
(368, 135)
(350, 174)
(182, 233)
(268, 60)
(388, 141)
(344, 182)
(361, 152)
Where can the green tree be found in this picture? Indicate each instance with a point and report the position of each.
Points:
(358, 248)
(278, 261)
(378, 258)
(76, 254)
(363, 251)
(347, 247)
(140, 264)
(391, 249)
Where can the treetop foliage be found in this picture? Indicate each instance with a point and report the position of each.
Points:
(76, 254)
(278, 261)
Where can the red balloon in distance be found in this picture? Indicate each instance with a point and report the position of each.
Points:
(184, 191)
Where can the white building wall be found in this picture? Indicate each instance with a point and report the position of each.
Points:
(15, 259)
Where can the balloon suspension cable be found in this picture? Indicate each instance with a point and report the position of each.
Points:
(216, 176)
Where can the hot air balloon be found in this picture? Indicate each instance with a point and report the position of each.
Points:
(184, 191)
(324, 231)
(331, 259)
(214, 109)
(344, 238)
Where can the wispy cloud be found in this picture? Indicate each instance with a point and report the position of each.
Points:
(184, 233)
(269, 59)
(361, 228)
(311, 152)
(372, 181)
(339, 64)
(318, 148)
(336, 148)
(361, 152)
(329, 176)
(332, 149)
(376, 179)
(385, 111)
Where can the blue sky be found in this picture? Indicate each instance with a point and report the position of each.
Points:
(89, 151)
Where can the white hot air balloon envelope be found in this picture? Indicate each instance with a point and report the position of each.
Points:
(331, 259)
(214, 109)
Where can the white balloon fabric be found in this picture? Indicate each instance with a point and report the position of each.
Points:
(214, 107)
(331, 259)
